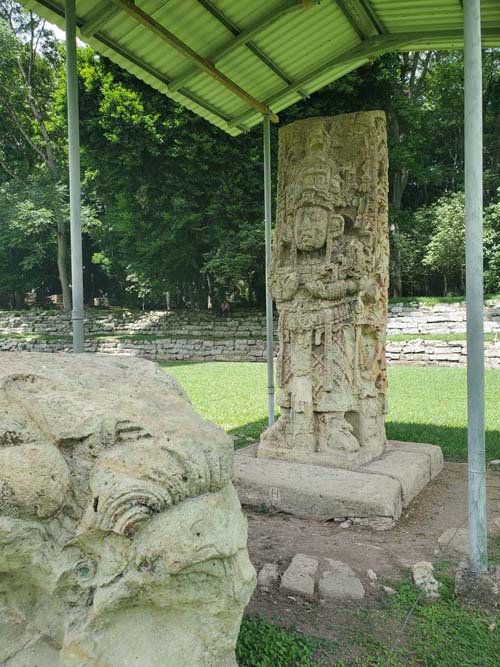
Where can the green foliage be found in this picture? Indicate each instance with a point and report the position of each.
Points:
(445, 253)
(27, 241)
(262, 644)
(178, 204)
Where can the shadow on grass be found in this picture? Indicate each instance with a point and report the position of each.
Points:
(248, 433)
(452, 440)
(178, 364)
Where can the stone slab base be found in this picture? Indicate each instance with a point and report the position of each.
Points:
(374, 495)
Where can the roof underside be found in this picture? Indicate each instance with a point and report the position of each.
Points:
(231, 60)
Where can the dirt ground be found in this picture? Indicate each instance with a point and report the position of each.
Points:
(277, 538)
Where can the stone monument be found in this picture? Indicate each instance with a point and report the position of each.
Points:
(122, 540)
(329, 276)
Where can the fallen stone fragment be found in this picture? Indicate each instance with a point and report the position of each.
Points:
(494, 462)
(372, 575)
(340, 582)
(268, 575)
(424, 579)
(300, 575)
(389, 590)
(456, 539)
(345, 524)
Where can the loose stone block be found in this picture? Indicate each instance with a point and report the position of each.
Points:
(425, 580)
(300, 575)
(268, 576)
(122, 540)
(340, 582)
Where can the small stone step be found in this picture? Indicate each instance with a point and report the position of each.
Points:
(340, 582)
(300, 576)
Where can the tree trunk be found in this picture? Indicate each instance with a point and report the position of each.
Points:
(399, 182)
(61, 265)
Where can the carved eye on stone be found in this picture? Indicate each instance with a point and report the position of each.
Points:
(85, 569)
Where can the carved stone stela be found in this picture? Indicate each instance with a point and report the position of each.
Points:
(329, 278)
(122, 540)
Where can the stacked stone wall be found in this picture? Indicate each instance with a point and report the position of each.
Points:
(197, 336)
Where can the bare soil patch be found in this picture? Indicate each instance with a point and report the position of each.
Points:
(278, 537)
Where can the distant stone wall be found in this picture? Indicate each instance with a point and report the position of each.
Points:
(421, 352)
(197, 336)
(186, 323)
(443, 318)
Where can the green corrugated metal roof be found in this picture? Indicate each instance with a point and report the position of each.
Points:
(276, 51)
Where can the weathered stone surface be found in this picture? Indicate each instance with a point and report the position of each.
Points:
(435, 453)
(412, 464)
(329, 277)
(121, 537)
(425, 580)
(372, 497)
(456, 539)
(314, 491)
(300, 575)
(338, 581)
(268, 576)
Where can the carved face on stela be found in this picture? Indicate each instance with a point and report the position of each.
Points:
(316, 191)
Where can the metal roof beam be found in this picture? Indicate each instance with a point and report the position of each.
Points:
(98, 20)
(129, 7)
(251, 46)
(242, 38)
(370, 48)
(362, 18)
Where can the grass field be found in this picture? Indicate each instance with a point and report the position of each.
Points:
(425, 404)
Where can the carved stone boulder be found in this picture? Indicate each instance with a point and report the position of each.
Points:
(122, 540)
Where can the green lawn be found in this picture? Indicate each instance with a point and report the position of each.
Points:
(425, 404)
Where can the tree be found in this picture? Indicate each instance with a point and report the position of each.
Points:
(445, 252)
(30, 65)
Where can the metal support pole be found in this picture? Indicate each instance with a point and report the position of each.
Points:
(269, 299)
(474, 283)
(74, 178)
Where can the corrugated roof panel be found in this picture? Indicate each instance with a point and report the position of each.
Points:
(312, 45)
(308, 38)
(403, 15)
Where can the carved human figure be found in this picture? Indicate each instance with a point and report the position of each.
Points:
(122, 541)
(329, 277)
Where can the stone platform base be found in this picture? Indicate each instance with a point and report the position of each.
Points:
(374, 495)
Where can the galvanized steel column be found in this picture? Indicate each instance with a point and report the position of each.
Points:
(74, 178)
(474, 283)
(268, 239)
